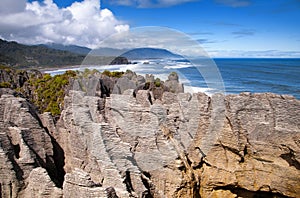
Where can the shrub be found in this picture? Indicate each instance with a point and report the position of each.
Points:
(87, 72)
(5, 85)
(49, 91)
(157, 82)
(115, 74)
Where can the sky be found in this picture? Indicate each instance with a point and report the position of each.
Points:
(224, 28)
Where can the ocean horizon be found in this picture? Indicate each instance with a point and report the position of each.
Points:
(254, 75)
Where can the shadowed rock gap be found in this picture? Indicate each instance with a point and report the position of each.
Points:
(127, 182)
(54, 164)
(59, 160)
(16, 150)
(10, 154)
(241, 192)
(290, 158)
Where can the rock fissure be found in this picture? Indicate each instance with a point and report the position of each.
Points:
(290, 158)
(242, 192)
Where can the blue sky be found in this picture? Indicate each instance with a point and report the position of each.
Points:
(238, 28)
(274, 25)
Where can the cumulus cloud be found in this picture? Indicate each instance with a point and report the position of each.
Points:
(12, 6)
(83, 23)
(149, 3)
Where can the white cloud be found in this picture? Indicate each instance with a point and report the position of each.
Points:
(83, 23)
(149, 3)
(12, 6)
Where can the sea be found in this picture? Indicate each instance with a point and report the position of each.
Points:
(226, 75)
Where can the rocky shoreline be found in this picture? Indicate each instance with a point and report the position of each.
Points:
(139, 137)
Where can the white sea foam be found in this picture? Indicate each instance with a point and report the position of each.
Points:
(60, 71)
(178, 66)
(192, 89)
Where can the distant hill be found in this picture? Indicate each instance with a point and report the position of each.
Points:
(19, 55)
(70, 48)
(149, 53)
(54, 55)
(106, 51)
(137, 53)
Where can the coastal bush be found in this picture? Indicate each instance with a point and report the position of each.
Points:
(49, 91)
(6, 68)
(157, 82)
(87, 72)
(173, 73)
(5, 85)
(115, 74)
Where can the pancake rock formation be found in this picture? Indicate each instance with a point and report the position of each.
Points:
(133, 144)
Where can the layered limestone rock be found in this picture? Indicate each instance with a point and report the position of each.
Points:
(40, 185)
(24, 145)
(12, 78)
(134, 145)
(184, 145)
(173, 83)
(257, 152)
(89, 143)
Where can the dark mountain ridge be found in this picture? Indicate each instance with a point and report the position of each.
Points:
(70, 48)
(136, 53)
(19, 55)
(56, 55)
(149, 53)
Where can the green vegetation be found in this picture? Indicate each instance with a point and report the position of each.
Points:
(87, 72)
(115, 74)
(157, 82)
(6, 75)
(49, 91)
(18, 55)
(5, 68)
(46, 92)
(5, 85)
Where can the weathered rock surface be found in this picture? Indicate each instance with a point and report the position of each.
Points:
(24, 145)
(184, 145)
(257, 152)
(40, 185)
(120, 61)
(180, 145)
(13, 78)
(173, 83)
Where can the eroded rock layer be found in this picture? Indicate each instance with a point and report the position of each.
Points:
(133, 145)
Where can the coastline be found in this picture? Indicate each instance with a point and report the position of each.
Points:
(238, 75)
